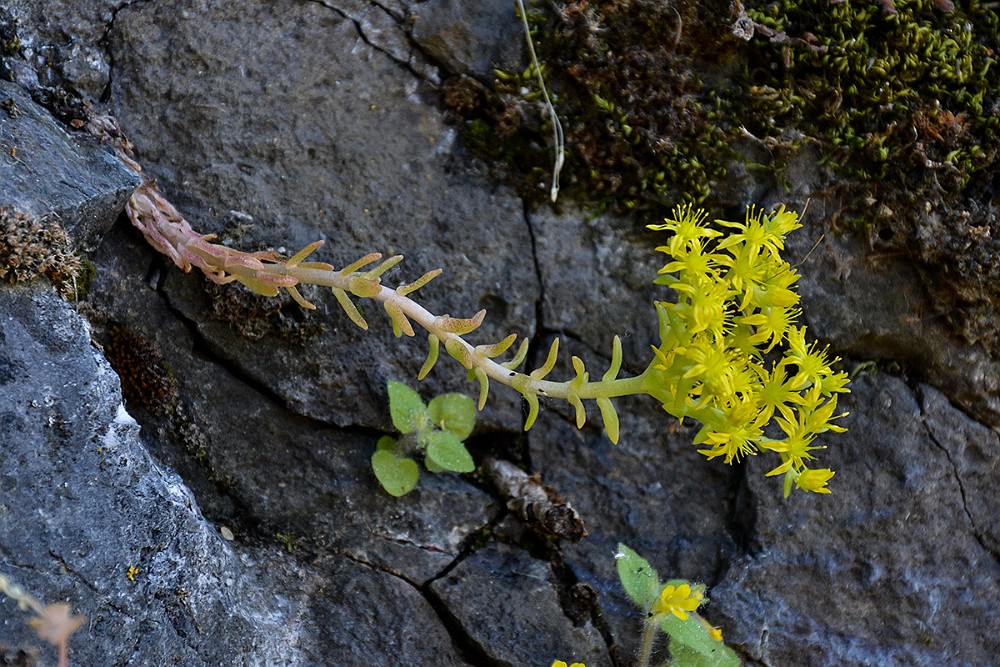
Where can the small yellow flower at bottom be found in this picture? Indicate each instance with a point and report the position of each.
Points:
(560, 663)
(678, 600)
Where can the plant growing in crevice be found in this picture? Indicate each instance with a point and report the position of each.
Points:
(733, 305)
(670, 607)
(436, 431)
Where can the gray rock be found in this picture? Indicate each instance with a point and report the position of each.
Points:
(508, 602)
(890, 567)
(873, 306)
(83, 501)
(327, 129)
(471, 37)
(974, 452)
(597, 281)
(652, 492)
(61, 41)
(354, 156)
(45, 170)
(258, 463)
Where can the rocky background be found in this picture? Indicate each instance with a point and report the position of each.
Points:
(228, 515)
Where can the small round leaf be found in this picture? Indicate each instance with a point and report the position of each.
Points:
(408, 412)
(397, 476)
(447, 451)
(453, 412)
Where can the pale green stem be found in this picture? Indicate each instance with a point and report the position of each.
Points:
(648, 635)
(266, 273)
(494, 370)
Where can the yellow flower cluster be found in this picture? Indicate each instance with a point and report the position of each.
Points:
(718, 360)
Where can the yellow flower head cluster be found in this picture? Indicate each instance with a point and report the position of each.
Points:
(731, 354)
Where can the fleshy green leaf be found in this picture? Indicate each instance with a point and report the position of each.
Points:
(397, 475)
(407, 410)
(691, 636)
(453, 412)
(446, 450)
(638, 577)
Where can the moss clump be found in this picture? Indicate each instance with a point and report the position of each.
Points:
(35, 248)
(642, 127)
(146, 380)
(902, 100)
(894, 91)
(899, 98)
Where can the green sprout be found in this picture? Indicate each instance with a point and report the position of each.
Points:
(671, 608)
(436, 430)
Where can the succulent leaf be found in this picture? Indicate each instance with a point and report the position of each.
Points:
(433, 347)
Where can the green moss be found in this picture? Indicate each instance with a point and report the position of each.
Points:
(900, 101)
(889, 95)
(642, 128)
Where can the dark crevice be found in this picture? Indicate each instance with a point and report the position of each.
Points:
(216, 500)
(464, 644)
(538, 335)
(105, 43)
(742, 519)
(579, 602)
(359, 28)
(203, 348)
(977, 533)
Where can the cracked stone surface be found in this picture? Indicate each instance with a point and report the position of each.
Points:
(472, 38)
(261, 418)
(871, 306)
(508, 601)
(290, 102)
(815, 587)
(46, 171)
(83, 500)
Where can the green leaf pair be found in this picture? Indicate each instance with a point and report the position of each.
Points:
(437, 430)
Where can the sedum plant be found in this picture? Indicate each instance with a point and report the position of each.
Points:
(436, 430)
(731, 354)
(734, 304)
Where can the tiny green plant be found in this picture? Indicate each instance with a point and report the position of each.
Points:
(670, 607)
(437, 431)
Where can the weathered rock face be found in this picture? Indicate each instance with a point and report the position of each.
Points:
(83, 501)
(905, 525)
(328, 128)
(46, 171)
(331, 116)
